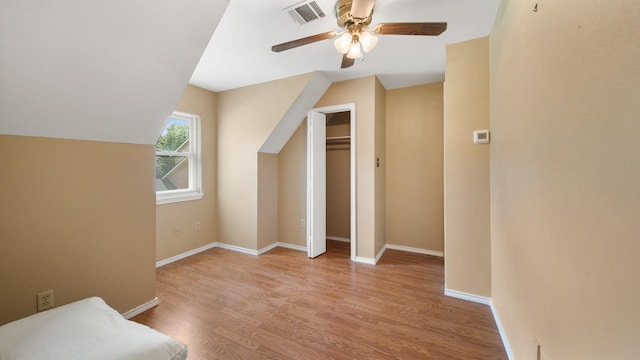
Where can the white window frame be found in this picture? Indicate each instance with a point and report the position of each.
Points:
(194, 192)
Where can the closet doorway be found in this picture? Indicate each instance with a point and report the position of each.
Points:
(330, 145)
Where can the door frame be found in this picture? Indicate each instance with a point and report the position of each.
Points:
(351, 108)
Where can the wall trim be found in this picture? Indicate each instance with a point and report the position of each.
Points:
(503, 334)
(485, 301)
(338, 238)
(415, 250)
(185, 254)
(466, 296)
(359, 259)
(292, 246)
(351, 108)
(141, 308)
(267, 248)
(379, 255)
(237, 249)
(364, 260)
(228, 247)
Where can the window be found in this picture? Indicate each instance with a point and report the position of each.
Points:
(178, 160)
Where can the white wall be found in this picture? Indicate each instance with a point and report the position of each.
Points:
(92, 70)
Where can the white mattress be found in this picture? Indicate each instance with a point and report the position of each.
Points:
(87, 329)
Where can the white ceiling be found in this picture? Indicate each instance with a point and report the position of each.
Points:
(239, 52)
(98, 70)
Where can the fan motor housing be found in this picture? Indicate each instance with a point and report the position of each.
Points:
(344, 17)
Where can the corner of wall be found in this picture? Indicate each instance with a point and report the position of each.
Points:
(466, 169)
(380, 163)
(267, 200)
(185, 215)
(253, 121)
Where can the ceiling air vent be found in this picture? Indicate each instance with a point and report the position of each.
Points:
(305, 11)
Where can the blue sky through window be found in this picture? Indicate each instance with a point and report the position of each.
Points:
(172, 121)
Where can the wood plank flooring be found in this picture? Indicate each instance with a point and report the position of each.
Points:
(283, 305)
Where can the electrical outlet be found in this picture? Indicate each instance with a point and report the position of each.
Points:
(303, 223)
(45, 300)
(197, 225)
(177, 230)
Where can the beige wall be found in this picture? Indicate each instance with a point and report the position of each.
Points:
(380, 166)
(415, 211)
(184, 215)
(362, 92)
(267, 199)
(339, 177)
(76, 217)
(246, 117)
(565, 177)
(466, 169)
(292, 188)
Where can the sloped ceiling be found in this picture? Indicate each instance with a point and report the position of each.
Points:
(98, 70)
(239, 53)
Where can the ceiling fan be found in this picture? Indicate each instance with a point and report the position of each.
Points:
(356, 38)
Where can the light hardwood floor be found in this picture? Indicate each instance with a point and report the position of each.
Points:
(283, 305)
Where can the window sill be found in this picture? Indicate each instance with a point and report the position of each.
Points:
(174, 198)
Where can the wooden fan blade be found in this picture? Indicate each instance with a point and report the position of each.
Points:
(346, 62)
(429, 28)
(362, 8)
(303, 41)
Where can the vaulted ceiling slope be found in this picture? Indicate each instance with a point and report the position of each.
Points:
(239, 53)
(98, 70)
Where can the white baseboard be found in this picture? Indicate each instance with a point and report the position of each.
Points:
(185, 254)
(485, 301)
(267, 248)
(337, 238)
(292, 247)
(140, 309)
(503, 334)
(466, 296)
(379, 255)
(365, 260)
(237, 249)
(229, 247)
(396, 247)
(415, 250)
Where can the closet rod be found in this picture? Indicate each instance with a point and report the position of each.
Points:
(339, 138)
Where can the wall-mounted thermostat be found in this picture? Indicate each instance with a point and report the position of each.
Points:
(481, 136)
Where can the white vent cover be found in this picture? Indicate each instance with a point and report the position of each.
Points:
(305, 11)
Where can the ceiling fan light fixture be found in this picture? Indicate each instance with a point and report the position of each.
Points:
(343, 42)
(355, 38)
(355, 50)
(368, 41)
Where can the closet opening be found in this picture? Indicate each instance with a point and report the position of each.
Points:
(331, 181)
(338, 183)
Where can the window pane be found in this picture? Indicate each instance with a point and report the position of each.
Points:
(172, 173)
(175, 136)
